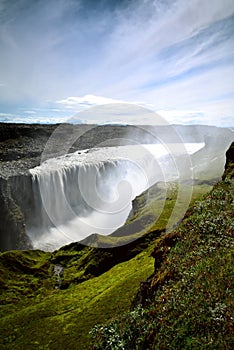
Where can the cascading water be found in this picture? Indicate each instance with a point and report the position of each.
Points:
(91, 191)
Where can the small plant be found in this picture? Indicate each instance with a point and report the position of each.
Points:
(114, 336)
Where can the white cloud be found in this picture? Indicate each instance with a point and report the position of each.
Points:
(194, 91)
(29, 112)
(177, 116)
(7, 115)
(81, 103)
(85, 101)
(32, 119)
(124, 113)
(119, 113)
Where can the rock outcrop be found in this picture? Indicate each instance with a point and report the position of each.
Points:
(229, 166)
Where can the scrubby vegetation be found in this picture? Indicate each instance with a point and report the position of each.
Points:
(189, 298)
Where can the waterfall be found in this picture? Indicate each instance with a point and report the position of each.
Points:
(91, 191)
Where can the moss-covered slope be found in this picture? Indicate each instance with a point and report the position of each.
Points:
(187, 303)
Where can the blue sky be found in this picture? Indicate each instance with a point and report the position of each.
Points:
(58, 58)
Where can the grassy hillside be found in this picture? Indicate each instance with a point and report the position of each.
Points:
(62, 319)
(187, 303)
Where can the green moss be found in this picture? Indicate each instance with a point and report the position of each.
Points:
(72, 313)
(191, 304)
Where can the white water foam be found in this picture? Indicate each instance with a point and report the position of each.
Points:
(91, 191)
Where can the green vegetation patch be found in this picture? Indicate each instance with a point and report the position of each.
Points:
(190, 295)
(64, 318)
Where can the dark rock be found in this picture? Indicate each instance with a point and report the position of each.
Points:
(143, 295)
(12, 229)
(229, 166)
